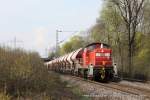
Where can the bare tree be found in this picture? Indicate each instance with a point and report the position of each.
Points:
(144, 26)
(131, 12)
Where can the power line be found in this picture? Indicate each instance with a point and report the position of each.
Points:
(57, 38)
(15, 42)
(73, 33)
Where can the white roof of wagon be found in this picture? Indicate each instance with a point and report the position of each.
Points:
(49, 62)
(75, 54)
(64, 57)
(54, 61)
(69, 57)
(57, 60)
(61, 59)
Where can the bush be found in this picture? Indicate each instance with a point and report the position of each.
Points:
(4, 97)
(23, 73)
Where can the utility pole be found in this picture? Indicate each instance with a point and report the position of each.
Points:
(57, 41)
(15, 41)
(46, 52)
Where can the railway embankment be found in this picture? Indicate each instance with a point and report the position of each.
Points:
(107, 91)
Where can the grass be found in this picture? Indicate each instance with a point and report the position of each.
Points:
(3, 96)
(24, 76)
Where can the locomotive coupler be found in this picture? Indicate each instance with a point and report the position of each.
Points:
(102, 72)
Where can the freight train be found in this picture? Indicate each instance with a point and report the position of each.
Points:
(93, 61)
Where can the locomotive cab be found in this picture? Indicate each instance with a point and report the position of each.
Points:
(99, 56)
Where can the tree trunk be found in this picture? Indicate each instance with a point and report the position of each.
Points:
(129, 50)
(121, 58)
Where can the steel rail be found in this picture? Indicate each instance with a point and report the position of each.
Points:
(120, 87)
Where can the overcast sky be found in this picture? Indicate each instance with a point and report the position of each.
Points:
(34, 22)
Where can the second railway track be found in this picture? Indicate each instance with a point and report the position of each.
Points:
(134, 90)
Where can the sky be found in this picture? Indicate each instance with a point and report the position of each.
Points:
(34, 22)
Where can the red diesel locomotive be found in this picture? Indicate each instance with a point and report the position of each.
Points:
(93, 61)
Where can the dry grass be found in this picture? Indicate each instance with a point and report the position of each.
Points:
(23, 76)
(4, 96)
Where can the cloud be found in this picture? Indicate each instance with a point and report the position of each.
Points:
(40, 36)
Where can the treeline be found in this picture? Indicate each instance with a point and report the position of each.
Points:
(23, 75)
(74, 43)
(125, 26)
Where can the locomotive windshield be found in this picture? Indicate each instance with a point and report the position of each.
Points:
(93, 46)
(102, 54)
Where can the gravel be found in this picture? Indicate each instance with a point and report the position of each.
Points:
(97, 92)
(136, 84)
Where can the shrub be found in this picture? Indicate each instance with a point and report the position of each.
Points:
(23, 73)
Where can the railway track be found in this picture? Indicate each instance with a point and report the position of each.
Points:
(134, 80)
(144, 90)
(131, 89)
(116, 87)
(120, 87)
